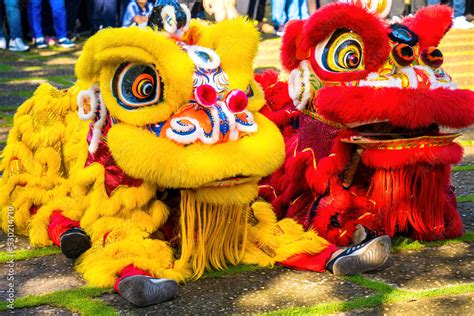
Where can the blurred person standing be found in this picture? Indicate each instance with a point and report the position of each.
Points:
(286, 10)
(104, 14)
(72, 14)
(220, 9)
(137, 13)
(16, 43)
(459, 21)
(58, 9)
(256, 11)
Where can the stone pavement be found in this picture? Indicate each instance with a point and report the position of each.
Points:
(420, 278)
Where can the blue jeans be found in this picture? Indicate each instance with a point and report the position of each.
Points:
(104, 13)
(59, 17)
(13, 18)
(286, 10)
(458, 5)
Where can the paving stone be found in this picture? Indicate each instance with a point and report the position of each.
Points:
(40, 276)
(429, 268)
(451, 305)
(12, 100)
(463, 182)
(3, 134)
(467, 214)
(21, 242)
(42, 310)
(468, 158)
(250, 292)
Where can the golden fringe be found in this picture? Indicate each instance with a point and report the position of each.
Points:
(211, 235)
(271, 241)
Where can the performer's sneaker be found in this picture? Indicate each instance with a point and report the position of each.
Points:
(74, 242)
(141, 290)
(364, 257)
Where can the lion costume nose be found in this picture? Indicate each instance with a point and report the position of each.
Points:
(237, 101)
(403, 55)
(205, 95)
(432, 57)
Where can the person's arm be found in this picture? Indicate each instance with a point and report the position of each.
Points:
(129, 16)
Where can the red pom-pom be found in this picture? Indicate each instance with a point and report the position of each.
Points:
(237, 101)
(432, 57)
(205, 95)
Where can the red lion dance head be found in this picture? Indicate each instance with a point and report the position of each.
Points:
(373, 99)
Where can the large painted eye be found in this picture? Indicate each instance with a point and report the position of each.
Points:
(136, 85)
(341, 52)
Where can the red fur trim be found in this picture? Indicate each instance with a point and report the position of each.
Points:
(431, 24)
(410, 108)
(335, 16)
(279, 106)
(289, 42)
(446, 155)
(267, 78)
(330, 166)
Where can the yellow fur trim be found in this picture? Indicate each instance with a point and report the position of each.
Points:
(270, 241)
(242, 194)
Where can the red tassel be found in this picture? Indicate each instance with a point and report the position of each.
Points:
(412, 200)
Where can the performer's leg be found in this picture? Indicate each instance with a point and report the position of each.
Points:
(139, 288)
(358, 259)
(68, 235)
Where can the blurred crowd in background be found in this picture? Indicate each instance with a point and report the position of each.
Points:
(60, 22)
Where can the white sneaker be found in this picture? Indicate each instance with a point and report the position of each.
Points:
(3, 43)
(17, 45)
(460, 22)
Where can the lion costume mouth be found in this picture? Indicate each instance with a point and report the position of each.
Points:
(385, 136)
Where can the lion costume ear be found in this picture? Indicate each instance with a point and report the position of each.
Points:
(235, 41)
(431, 24)
(291, 54)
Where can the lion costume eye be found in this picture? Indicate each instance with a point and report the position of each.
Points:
(137, 85)
(341, 52)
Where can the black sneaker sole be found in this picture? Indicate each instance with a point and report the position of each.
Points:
(370, 257)
(141, 291)
(74, 244)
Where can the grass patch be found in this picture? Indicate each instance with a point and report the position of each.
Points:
(377, 299)
(465, 198)
(374, 285)
(466, 143)
(231, 270)
(33, 68)
(6, 120)
(8, 108)
(19, 93)
(4, 67)
(24, 254)
(79, 300)
(463, 168)
(20, 79)
(403, 244)
(62, 80)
